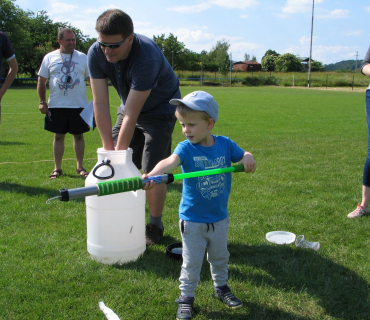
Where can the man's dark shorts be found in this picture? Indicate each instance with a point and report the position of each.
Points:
(65, 120)
(152, 139)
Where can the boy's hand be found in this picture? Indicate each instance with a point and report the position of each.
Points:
(248, 162)
(149, 185)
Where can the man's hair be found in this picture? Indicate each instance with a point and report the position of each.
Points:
(61, 32)
(183, 111)
(113, 22)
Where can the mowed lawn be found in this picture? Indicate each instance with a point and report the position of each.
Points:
(310, 147)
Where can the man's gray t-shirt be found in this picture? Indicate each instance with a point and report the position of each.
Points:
(146, 68)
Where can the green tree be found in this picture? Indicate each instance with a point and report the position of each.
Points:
(224, 68)
(34, 35)
(187, 57)
(171, 48)
(194, 66)
(219, 55)
(44, 39)
(14, 22)
(268, 62)
(210, 67)
(288, 62)
(344, 65)
(316, 66)
(271, 52)
(86, 44)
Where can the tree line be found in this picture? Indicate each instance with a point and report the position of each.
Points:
(34, 34)
(344, 65)
(287, 62)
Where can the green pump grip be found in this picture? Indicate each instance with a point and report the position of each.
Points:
(132, 184)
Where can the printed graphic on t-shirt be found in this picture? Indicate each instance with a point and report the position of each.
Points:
(68, 78)
(210, 186)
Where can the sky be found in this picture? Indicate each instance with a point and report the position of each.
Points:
(249, 26)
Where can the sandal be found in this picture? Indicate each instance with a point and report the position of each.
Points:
(82, 172)
(56, 173)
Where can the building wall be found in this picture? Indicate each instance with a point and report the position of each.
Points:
(247, 67)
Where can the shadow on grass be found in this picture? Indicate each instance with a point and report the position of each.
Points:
(340, 291)
(252, 311)
(31, 191)
(12, 143)
(155, 261)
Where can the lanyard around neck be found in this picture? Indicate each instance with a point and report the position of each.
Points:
(70, 60)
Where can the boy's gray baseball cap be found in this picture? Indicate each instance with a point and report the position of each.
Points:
(199, 101)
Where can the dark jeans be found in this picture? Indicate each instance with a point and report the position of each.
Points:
(366, 176)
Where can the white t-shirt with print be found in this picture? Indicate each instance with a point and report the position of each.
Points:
(64, 94)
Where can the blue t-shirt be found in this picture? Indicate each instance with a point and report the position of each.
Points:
(146, 68)
(6, 49)
(205, 199)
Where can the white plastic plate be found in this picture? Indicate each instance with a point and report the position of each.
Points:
(280, 237)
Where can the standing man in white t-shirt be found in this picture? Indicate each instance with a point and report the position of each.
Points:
(66, 69)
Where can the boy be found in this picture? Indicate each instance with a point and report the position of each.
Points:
(203, 208)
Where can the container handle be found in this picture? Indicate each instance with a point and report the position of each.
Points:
(105, 162)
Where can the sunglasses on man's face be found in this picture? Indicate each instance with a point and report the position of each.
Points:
(111, 45)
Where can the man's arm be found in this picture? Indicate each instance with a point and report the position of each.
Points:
(10, 77)
(134, 103)
(99, 88)
(41, 91)
(366, 70)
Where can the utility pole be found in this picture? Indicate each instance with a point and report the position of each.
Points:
(309, 62)
(356, 59)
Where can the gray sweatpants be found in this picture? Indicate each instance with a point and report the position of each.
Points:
(196, 238)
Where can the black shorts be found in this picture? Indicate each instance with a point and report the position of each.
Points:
(65, 120)
(152, 139)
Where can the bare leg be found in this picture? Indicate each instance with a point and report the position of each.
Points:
(156, 199)
(58, 149)
(79, 147)
(365, 196)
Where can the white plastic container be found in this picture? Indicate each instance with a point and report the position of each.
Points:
(115, 223)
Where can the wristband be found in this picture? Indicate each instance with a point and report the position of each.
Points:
(42, 102)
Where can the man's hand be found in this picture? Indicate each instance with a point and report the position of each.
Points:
(43, 107)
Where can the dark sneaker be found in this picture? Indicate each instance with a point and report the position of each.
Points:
(225, 295)
(185, 308)
(153, 234)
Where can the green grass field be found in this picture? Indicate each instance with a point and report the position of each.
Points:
(310, 147)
